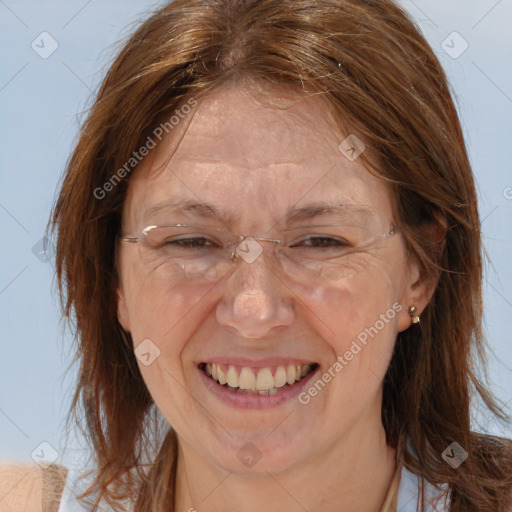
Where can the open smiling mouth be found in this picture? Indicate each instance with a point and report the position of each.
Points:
(257, 381)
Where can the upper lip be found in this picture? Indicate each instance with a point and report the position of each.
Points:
(257, 363)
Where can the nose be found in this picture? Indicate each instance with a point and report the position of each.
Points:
(255, 301)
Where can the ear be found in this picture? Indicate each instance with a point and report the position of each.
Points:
(421, 285)
(122, 310)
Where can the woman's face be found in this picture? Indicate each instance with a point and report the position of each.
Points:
(264, 169)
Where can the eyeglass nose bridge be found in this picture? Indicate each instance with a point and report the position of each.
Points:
(235, 255)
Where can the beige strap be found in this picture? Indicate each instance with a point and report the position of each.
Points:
(54, 479)
(390, 503)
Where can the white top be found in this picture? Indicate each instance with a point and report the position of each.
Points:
(408, 495)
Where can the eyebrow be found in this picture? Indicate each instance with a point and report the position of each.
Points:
(318, 209)
(208, 211)
(197, 208)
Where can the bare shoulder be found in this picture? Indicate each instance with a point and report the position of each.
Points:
(21, 487)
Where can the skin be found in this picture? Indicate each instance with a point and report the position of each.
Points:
(21, 487)
(254, 160)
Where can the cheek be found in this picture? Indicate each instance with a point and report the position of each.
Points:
(157, 310)
(162, 321)
(358, 314)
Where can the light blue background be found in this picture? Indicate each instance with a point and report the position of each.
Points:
(41, 105)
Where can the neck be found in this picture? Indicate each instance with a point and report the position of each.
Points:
(353, 475)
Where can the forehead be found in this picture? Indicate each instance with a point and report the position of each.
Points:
(257, 129)
(250, 153)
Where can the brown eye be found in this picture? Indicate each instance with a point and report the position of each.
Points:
(322, 241)
(190, 242)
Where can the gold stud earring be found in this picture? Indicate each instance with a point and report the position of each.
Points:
(415, 319)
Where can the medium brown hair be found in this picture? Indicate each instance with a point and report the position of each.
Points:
(374, 70)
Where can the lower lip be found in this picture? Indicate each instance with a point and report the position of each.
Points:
(256, 401)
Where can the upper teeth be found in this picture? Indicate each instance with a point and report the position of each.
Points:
(256, 380)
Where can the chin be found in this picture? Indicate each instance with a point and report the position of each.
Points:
(257, 454)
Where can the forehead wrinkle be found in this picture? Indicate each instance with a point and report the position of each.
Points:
(208, 211)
